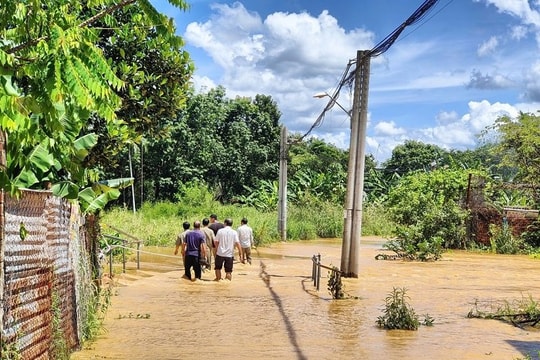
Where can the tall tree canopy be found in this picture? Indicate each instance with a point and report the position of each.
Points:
(229, 144)
(54, 76)
(156, 72)
(519, 143)
(413, 155)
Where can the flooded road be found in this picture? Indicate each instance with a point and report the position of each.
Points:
(271, 309)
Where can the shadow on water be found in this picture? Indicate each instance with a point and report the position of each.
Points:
(530, 349)
(290, 330)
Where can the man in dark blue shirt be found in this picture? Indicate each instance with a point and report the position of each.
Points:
(193, 248)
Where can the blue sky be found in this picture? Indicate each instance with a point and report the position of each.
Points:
(443, 81)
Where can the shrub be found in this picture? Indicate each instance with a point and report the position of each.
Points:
(532, 235)
(427, 209)
(502, 241)
(398, 314)
(376, 220)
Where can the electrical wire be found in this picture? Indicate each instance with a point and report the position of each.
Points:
(379, 49)
(333, 100)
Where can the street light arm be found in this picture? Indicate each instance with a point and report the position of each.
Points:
(332, 101)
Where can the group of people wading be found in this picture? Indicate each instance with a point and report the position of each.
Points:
(212, 239)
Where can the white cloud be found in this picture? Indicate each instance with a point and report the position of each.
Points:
(381, 147)
(292, 56)
(532, 92)
(488, 47)
(293, 46)
(518, 8)
(203, 83)
(231, 37)
(451, 132)
(495, 80)
(339, 139)
(388, 128)
(519, 32)
(461, 133)
(445, 117)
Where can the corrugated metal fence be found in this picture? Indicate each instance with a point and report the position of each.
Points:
(47, 269)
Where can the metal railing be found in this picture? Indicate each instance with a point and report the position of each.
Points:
(124, 246)
(316, 270)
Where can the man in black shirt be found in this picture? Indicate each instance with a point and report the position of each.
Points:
(215, 225)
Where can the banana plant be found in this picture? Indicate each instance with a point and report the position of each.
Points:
(94, 197)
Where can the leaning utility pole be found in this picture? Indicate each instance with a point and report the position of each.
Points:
(352, 228)
(282, 199)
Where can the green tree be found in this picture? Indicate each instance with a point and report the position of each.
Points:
(412, 156)
(317, 171)
(519, 143)
(156, 72)
(230, 145)
(428, 208)
(316, 155)
(54, 77)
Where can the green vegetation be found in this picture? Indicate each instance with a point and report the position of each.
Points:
(95, 307)
(427, 208)
(503, 242)
(398, 314)
(63, 90)
(522, 313)
(10, 351)
(529, 357)
(413, 156)
(520, 149)
(335, 285)
(59, 347)
(159, 223)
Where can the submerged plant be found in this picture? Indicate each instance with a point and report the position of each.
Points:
(398, 314)
(521, 313)
(335, 285)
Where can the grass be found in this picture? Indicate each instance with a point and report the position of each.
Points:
(158, 224)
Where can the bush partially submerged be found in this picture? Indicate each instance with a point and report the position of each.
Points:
(521, 313)
(398, 314)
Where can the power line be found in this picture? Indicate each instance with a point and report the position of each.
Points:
(348, 75)
(329, 105)
(389, 40)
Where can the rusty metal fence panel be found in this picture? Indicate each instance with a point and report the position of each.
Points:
(45, 273)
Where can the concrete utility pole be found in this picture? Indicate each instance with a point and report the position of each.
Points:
(352, 228)
(282, 200)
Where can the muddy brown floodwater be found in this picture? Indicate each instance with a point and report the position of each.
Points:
(156, 315)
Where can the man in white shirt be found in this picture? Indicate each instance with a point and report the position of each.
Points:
(226, 240)
(245, 234)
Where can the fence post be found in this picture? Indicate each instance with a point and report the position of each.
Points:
(318, 278)
(110, 263)
(313, 269)
(138, 255)
(124, 242)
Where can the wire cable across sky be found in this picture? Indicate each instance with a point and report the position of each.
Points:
(380, 48)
